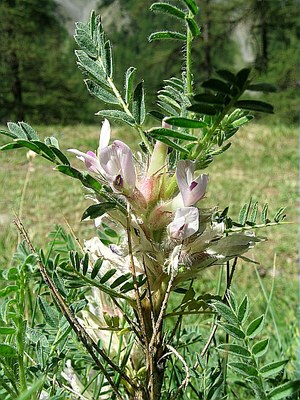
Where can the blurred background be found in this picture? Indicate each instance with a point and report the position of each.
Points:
(41, 84)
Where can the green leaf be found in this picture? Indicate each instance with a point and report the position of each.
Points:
(28, 393)
(242, 76)
(102, 94)
(203, 109)
(185, 122)
(225, 312)
(243, 369)
(255, 105)
(7, 351)
(255, 327)
(92, 23)
(59, 284)
(51, 141)
(241, 121)
(116, 114)
(262, 87)
(93, 68)
(235, 349)
(264, 213)
(243, 214)
(74, 258)
(86, 180)
(84, 41)
(253, 214)
(8, 289)
(272, 368)
(138, 104)
(108, 275)
(157, 115)
(19, 143)
(36, 336)
(168, 9)
(129, 79)
(96, 268)
(279, 214)
(243, 310)
(192, 6)
(7, 133)
(233, 331)
(171, 144)
(260, 348)
(17, 130)
(96, 210)
(217, 85)
(285, 390)
(193, 26)
(170, 133)
(7, 330)
(85, 263)
(166, 35)
(45, 149)
(209, 98)
(49, 313)
(60, 155)
(29, 131)
(108, 58)
(120, 280)
(227, 76)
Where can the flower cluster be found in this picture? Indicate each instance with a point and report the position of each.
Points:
(168, 229)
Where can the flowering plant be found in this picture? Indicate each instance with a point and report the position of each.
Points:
(155, 237)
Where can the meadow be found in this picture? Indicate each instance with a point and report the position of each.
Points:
(262, 163)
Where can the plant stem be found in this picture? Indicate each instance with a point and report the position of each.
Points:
(21, 324)
(82, 335)
(126, 109)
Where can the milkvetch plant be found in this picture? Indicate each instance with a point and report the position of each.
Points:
(154, 239)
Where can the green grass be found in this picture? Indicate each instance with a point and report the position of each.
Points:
(262, 163)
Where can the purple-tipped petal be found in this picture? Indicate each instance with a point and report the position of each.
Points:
(90, 159)
(185, 223)
(117, 163)
(192, 189)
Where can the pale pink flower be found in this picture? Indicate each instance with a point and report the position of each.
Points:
(91, 159)
(117, 167)
(185, 223)
(192, 189)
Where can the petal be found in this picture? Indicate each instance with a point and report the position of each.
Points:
(192, 190)
(90, 159)
(104, 135)
(196, 190)
(118, 166)
(185, 223)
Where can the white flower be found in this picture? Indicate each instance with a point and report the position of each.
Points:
(117, 167)
(185, 223)
(91, 159)
(192, 189)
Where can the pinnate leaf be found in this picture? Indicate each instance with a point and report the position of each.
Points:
(96, 210)
(185, 122)
(243, 310)
(235, 349)
(273, 368)
(284, 391)
(244, 369)
(138, 105)
(255, 327)
(168, 9)
(260, 348)
(162, 35)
